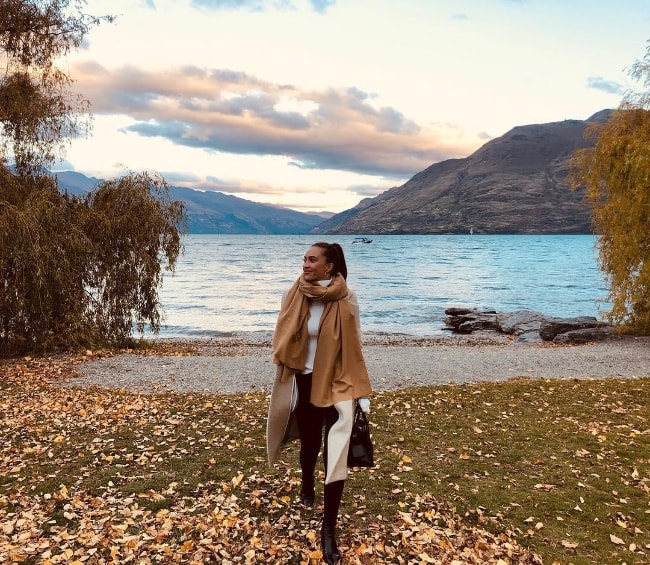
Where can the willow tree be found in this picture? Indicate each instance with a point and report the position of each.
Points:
(83, 272)
(38, 113)
(73, 271)
(616, 175)
(134, 230)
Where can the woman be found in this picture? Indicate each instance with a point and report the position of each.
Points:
(317, 350)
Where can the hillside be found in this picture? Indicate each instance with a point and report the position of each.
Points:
(217, 213)
(516, 183)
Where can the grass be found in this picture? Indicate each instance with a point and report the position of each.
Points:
(564, 464)
(561, 467)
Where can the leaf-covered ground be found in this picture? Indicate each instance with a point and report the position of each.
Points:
(475, 474)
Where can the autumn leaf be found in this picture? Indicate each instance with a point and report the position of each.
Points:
(145, 477)
(569, 544)
(541, 486)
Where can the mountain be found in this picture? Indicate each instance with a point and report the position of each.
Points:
(516, 183)
(76, 183)
(215, 212)
(333, 222)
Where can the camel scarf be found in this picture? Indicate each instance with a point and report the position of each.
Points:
(339, 368)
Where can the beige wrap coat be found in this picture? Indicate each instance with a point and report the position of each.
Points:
(281, 427)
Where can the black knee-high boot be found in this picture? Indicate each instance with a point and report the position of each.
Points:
(333, 494)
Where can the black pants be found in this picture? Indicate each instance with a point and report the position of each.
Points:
(311, 420)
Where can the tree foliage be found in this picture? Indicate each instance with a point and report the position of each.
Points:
(134, 227)
(38, 113)
(73, 271)
(616, 175)
(82, 271)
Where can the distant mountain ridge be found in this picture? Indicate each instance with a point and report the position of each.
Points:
(516, 184)
(211, 212)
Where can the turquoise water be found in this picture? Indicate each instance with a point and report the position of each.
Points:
(404, 283)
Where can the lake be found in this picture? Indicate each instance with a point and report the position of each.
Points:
(227, 283)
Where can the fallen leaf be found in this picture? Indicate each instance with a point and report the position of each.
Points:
(569, 544)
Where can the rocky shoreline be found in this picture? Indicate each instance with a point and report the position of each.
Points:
(528, 326)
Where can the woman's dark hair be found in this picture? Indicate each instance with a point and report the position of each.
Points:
(334, 254)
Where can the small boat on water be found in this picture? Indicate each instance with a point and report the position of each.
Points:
(361, 240)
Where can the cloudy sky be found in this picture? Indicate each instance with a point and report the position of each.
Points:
(316, 104)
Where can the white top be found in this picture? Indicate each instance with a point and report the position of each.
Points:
(316, 310)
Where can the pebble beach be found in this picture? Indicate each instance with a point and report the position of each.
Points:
(242, 362)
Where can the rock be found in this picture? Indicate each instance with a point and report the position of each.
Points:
(467, 320)
(528, 337)
(454, 311)
(520, 322)
(552, 327)
(584, 335)
(529, 326)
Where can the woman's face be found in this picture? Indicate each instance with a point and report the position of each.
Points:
(315, 266)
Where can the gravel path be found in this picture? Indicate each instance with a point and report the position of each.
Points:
(242, 362)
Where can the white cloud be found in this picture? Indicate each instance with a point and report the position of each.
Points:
(292, 99)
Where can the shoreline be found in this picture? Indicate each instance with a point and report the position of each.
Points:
(241, 362)
(265, 338)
